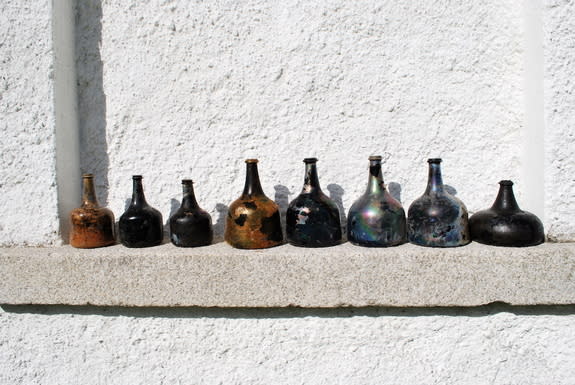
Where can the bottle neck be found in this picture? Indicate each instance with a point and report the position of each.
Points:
(311, 181)
(189, 198)
(88, 192)
(252, 186)
(505, 200)
(434, 181)
(375, 185)
(138, 197)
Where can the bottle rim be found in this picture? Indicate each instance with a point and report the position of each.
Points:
(434, 160)
(310, 160)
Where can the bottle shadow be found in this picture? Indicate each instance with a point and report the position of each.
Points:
(281, 197)
(394, 189)
(220, 224)
(336, 194)
(174, 206)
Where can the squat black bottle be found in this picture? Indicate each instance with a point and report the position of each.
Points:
(190, 226)
(141, 224)
(312, 219)
(505, 224)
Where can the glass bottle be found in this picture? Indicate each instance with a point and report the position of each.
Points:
(253, 220)
(190, 226)
(376, 219)
(312, 218)
(91, 225)
(505, 224)
(141, 224)
(437, 218)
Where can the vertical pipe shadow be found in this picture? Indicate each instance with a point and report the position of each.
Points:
(91, 97)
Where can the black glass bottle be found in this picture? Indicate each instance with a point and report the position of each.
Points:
(437, 218)
(190, 226)
(376, 219)
(141, 224)
(312, 219)
(505, 224)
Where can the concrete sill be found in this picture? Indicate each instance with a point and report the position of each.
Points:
(345, 275)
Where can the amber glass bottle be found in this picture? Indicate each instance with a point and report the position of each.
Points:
(141, 224)
(91, 225)
(253, 220)
(190, 226)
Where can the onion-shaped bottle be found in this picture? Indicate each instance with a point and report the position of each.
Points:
(437, 218)
(505, 224)
(190, 226)
(253, 220)
(91, 225)
(376, 219)
(312, 218)
(141, 224)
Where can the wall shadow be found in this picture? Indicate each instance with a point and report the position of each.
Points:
(291, 312)
(91, 97)
(174, 206)
(336, 194)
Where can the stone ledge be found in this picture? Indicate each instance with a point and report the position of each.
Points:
(345, 275)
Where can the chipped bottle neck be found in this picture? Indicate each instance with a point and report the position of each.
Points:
(505, 200)
(253, 185)
(435, 181)
(88, 192)
(375, 184)
(189, 198)
(311, 181)
(138, 197)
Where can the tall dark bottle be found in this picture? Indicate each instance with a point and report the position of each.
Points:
(376, 219)
(312, 219)
(91, 225)
(190, 226)
(505, 224)
(141, 224)
(253, 220)
(437, 218)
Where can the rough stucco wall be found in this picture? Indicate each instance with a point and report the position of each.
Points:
(465, 346)
(559, 86)
(191, 89)
(27, 176)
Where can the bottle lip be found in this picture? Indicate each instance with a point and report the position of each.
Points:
(375, 157)
(87, 176)
(310, 160)
(187, 181)
(434, 160)
(251, 161)
(506, 183)
(137, 177)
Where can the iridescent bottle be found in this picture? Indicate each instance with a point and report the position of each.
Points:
(505, 224)
(190, 226)
(91, 225)
(253, 220)
(437, 218)
(312, 218)
(141, 224)
(376, 219)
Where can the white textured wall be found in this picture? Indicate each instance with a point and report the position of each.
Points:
(191, 89)
(559, 91)
(476, 346)
(28, 197)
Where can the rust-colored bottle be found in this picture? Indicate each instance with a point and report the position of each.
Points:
(253, 220)
(92, 225)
